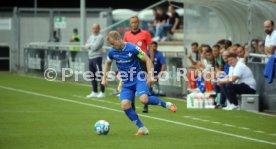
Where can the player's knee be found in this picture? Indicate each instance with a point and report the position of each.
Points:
(144, 99)
(125, 105)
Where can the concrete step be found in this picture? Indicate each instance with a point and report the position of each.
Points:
(178, 35)
(170, 43)
(171, 48)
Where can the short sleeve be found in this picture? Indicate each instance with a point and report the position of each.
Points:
(148, 38)
(138, 52)
(162, 59)
(238, 70)
(273, 39)
(109, 56)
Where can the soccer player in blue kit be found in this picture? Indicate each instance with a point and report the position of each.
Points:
(127, 57)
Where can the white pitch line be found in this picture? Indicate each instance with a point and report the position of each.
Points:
(96, 99)
(227, 125)
(259, 131)
(137, 107)
(142, 115)
(244, 128)
(216, 122)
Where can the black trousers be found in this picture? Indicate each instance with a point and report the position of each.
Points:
(231, 90)
(95, 65)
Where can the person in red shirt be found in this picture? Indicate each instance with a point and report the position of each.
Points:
(142, 39)
(138, 36)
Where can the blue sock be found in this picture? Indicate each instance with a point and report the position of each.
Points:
(132, 115)
(153, 100)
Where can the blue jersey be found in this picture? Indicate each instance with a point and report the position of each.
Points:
(158, 61)
(126, 60)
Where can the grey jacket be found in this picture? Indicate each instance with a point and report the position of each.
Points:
(95, 45)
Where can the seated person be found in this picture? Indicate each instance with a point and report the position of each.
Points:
(240, 80)
(223, 72)
(194, 57)
(216, 54)
(171, 24)
(241, 54)
(160, 21)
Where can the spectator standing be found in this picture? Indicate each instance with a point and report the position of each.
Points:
(95, 45)
(270, 40)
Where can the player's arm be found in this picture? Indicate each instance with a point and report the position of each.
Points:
(149, 65)
(175, 24)
(163, 68)
(270, 49)
(106, 70)
(228, 79)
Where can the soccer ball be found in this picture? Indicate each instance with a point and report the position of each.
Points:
(101, 127)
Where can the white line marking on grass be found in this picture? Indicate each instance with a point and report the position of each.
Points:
(176, 99)
(273, 134)
(259, 131)
(137, 107)
(142, 115)
(204, 120)
(96, 99)
(244, 128)
(216, 122)
(228, 125)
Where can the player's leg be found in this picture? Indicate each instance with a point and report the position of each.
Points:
(143, 92)
(127, 97)
(93, 69)
(144, 68)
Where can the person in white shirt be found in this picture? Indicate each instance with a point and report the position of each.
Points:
(270, 40)
(240, 80)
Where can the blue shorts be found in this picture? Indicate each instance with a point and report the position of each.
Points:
(128, 90)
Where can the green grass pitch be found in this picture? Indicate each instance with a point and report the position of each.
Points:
(35, 113)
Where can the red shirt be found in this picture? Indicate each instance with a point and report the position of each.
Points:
(141, 38)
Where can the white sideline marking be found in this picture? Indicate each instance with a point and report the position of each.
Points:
(96, 99)
(244, 128)
(142, 115)
(259, 131)
(137, 107)
(216, 122)
(227, 125)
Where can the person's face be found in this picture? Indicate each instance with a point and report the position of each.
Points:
(209, 56)
(245, 47)
(153, 47)
(134, 24)
(254, 44)
(215, 51)
(232, 61)
(194, 48)
(170, 9)
(240, 52)
(160, 11)
(204, 51)
(233, 49)
(95, 28)
(268, 28)
(116, 44)
(224, 56)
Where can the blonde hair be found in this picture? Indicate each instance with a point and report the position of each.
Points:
(115, 35)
